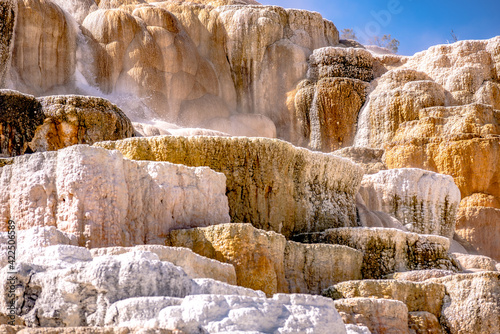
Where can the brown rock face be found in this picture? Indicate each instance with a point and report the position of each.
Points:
(480, 227)
(8, 13)
(44, 55)
(313, 268)
(382, 316)
(266, 261)
(426, 297)
(20, 116)
(257, 256)
(461, 141)
(423, 323)
(398, 97)
(53, 122)
(326, 105)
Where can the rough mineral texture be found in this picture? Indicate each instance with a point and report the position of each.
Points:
(311, 268)
(417, 297)
(371, 159)
(8, 13)
(80, 292)
(466, 133)
(422, 275)
(30, 124)
(472, 304)
(88, 330)
(476, 262)
(382, 316)
(63, 286)
(386, 251)
(107, 200)
(20, 115)
(266, 261)
(194, 265)
(44, 55)
(397, 97)
(38, 236)
(257, 256)
(374, 218)
(425, 202)
(423, 323)
(326, 104)
(478, 225)
(270, 183)
(74, 119)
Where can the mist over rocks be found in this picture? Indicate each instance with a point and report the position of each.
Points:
(374, 180)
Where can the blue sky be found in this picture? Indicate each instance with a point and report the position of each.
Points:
(417, 24)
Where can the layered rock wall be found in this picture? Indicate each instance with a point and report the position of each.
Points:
(270, 184)
(424, 202)
(107, 200)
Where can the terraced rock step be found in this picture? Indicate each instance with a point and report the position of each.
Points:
(387, 250)
(106, 200)
(425, 297)
(63, 286)
(270, 183)
(266, 261)
(378, 315)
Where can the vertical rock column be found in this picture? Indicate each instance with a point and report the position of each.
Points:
(8, 13)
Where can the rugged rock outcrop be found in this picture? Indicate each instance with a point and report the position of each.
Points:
(107, 200)
(109, 290)
(270, 183)
(194, 265)
(20, 116)
(472, 304)
(313, 268)
(8, 13)
(257, 256)
(383, 316)
(424, 202)
(425, 297)
(74, 119)
(469, 134)
(424, 323)
(386, 251)
(476, 262)
(266, 261)
(397, 97)
(371, 159)
(30, 124)
(267, 49)
(477, 223)
(439, 104)
(326, 104)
